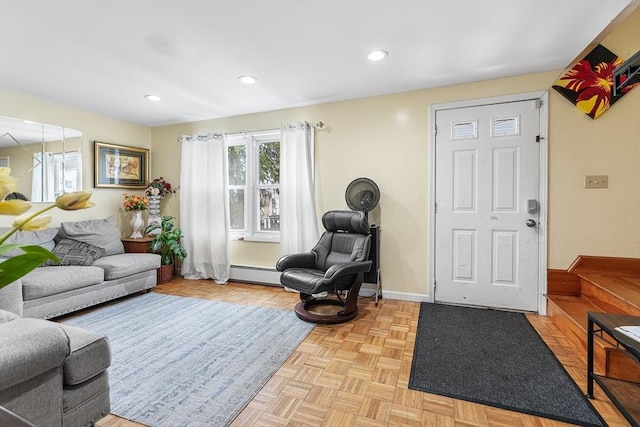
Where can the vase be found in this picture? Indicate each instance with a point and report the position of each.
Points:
(154, 214)
(136, 225)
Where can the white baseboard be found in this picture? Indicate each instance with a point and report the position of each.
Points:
(270, 276)
(403, 296)
(261, 275)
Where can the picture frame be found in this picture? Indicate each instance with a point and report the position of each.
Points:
(582, 84)
(120, 166)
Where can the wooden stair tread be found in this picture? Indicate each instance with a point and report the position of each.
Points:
(624, 288)
(597, 284)
(576, 308)
(610, 266)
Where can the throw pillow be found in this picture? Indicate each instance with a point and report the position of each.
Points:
(74, 252)
(43, 238)
(103, 233)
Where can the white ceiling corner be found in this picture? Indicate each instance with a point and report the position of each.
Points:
(104, 56)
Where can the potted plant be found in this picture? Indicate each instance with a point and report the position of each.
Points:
(168, 244)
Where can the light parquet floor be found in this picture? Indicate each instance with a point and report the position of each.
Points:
(357, 373)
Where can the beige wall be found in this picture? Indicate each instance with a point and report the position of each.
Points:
(387, 139)
(94, 127)
(596, 222)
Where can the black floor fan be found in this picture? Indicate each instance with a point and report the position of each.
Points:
(363, 195)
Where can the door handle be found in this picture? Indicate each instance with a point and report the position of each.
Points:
(531, 223)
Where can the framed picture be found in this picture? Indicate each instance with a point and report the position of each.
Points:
(589, 83)
(118, 166)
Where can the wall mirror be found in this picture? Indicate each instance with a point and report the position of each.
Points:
(46, 158)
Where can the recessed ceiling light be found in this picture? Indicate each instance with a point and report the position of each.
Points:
(377, 55)
(248, 80)
(154, 98)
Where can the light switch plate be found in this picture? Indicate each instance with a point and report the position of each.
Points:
(596, 181)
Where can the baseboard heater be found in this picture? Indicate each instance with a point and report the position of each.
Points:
(258, 275)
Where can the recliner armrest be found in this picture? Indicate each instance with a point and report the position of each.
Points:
(346, 268)
(301, 260)
(30, 347)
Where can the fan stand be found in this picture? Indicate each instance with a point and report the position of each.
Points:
(349, 312)
(369, 194)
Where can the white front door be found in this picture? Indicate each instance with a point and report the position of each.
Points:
(487, 175)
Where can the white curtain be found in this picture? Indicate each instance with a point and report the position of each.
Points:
(204, 208)
(42, 182)
(298, 219)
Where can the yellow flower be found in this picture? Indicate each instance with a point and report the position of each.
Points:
(14, 207)
(37, 223)
(74, 201)
(8, 183)
(33, 256)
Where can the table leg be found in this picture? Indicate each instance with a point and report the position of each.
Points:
(590, 358)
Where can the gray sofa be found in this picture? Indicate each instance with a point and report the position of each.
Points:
(52, 374)
(94, 269)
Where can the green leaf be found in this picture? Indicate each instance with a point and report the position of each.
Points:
(150, 228)
(8, 247)
(14, 268)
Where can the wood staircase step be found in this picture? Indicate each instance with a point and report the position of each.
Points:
(618, 366)
(606, 266)
(614, 294)
(597, 284)
(570, 316)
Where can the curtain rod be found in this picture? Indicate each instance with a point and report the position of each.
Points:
(318, 125)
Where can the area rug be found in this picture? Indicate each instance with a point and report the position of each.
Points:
(190, 362)
(494, 358)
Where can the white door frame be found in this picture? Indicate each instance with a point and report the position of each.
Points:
(543, 190)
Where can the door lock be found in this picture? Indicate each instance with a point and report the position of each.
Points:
(531, 223)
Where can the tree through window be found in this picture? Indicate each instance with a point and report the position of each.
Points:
(254, 184)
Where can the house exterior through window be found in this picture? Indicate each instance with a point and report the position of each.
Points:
(254, 185)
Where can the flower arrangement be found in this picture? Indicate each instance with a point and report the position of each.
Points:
(159, 187)
(17, 266)
(135, 203)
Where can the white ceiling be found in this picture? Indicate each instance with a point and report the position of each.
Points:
(104, 56)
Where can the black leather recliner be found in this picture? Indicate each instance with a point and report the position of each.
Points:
(337, 263)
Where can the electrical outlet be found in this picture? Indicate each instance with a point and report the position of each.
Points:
(596, 181)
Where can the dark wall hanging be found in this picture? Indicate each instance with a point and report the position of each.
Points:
(589, 83)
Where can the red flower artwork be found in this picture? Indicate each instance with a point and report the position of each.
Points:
(589, 83)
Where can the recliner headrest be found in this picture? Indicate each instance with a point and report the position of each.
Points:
(349, 221)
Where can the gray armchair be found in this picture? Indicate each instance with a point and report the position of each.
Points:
(336, 265)
(51, 374)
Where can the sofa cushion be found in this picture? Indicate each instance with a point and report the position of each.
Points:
(7, 316)
(43, 238)
(117, 266)
(45, 281)
(75, 252)
(103, 233)
(90, 355)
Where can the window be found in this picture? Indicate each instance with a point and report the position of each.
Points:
(254, 185)
(59, 170)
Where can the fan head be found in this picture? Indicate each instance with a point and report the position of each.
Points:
(362, 195)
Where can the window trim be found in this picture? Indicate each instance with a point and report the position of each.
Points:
(251, 140)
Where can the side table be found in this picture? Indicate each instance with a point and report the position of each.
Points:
(624, 394)
(141, 245)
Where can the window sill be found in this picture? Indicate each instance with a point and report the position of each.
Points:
(257, 238)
